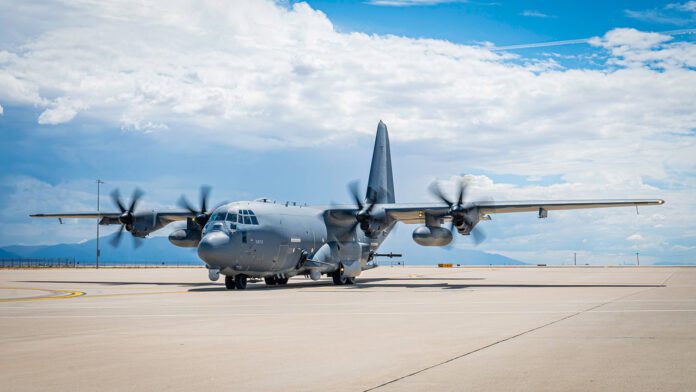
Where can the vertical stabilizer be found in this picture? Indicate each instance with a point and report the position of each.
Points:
(380, 187)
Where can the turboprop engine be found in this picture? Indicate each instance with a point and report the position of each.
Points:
(185, 238)
(188, 237)
(432, 236)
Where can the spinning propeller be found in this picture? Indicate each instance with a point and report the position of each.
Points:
(127, 217)
(202, 215)
(458, 211)
(362, 216)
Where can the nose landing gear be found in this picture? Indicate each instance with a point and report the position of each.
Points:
(238, 282)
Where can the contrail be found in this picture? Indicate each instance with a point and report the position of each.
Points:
(578, 41)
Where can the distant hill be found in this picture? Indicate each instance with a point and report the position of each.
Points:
(157, 249)
(433, 255)
(7, 255)
(152, 249)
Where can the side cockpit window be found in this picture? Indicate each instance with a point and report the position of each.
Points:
(248, 217)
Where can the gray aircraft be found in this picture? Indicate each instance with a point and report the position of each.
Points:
(275, 241)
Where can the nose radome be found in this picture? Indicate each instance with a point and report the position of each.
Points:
(210, 249)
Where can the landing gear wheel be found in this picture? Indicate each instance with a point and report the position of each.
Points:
(350, 281)
(337, 279)
(282, 281)
(271, 280)
(229, 282)
(240, 282)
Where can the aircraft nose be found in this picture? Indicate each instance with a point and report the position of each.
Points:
(210, 249)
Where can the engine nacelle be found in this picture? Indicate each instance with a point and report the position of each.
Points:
(432, 236)
(185, 238)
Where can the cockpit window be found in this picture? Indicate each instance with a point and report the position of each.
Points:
(232, 217)
(218, 216)
(247, 217)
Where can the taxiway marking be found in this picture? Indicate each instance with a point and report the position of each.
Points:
(67, 294)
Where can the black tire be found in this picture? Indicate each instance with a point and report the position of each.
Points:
(337, 279)
(240, 282)
(350, 281)
(271, 280)
(229, 282)
(282, 281)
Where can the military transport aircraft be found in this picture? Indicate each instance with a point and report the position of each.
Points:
(275, 241)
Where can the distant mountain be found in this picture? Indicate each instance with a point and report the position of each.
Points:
(7, 255)
(433, 255)
(158, 249)
(152, 249)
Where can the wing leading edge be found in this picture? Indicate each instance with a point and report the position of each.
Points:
(111, 218)
(415, 212)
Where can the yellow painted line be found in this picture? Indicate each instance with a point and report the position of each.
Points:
(67, 294)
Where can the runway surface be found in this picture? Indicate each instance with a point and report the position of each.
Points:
(398, 329)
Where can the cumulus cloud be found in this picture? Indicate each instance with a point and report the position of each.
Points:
(635, 237)
(239, 74)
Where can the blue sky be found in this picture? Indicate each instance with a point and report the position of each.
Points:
(282, 100)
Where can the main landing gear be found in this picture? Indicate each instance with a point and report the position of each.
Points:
(238, 282)
(274, 280)
(341, 280)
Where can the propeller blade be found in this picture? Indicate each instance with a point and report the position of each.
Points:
(435, 190)
(137, 194)
(116, 197)
(137, 242)
(184, 203)
(354, 189)
(478, 235)
(117, 238)
(462, 191)
(205, 192)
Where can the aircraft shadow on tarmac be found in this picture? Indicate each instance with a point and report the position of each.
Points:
(366, 283)
(369, 283)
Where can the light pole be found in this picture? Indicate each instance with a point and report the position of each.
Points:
(637, 259)
(99, 182)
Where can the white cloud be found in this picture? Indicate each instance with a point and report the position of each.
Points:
(411, 3)
(635, 237)
(2, 111)
(535, 14)
(689, 6)
(672, 13)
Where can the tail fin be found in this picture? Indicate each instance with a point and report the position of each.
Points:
(380, 187)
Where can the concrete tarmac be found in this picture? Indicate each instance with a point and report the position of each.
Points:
(398, 329)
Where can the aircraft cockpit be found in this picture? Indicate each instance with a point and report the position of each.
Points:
(224, 220)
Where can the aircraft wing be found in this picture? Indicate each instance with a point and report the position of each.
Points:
(111, 218)
(412, 213)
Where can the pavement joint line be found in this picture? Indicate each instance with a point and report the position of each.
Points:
(323, 314)
(69, 294)
(136, 294)
(502, 341)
